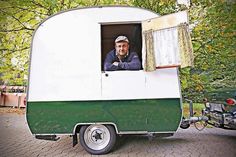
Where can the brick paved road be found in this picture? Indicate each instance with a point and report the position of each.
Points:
(16, 140)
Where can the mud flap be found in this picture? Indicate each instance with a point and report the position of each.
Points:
(47, 137)
(75, 139)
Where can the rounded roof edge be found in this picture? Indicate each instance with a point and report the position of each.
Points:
(91, 7)
(87, 7)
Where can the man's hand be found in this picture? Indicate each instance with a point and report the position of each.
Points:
(115, 63)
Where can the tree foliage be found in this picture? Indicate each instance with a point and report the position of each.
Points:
(213, 37)
(212, 26)
(159, 6)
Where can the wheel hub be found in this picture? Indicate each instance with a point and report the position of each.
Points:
(97, 137)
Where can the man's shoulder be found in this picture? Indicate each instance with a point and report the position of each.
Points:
(112, 52)
(133, 54)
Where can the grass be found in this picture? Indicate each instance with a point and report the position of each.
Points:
(197, 108)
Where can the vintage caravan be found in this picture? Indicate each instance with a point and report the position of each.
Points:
(69, 92)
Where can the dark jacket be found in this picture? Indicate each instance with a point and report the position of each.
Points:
(130, 62)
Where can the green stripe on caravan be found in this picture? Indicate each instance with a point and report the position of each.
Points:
(154, 115)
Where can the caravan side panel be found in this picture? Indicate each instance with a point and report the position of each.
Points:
(60, 63)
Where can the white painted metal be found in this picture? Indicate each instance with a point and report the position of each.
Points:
(163, 83)
(116, 14)
(123, 85)
(66, 60)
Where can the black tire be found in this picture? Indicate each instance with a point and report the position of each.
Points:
(184, 124)
(97, 139)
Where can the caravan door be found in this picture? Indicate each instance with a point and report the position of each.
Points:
(123, 85)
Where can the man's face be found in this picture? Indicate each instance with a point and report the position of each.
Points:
(122, 48)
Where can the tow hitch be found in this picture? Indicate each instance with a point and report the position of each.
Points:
(199, 122)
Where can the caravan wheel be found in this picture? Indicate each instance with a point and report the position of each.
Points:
(97, 139)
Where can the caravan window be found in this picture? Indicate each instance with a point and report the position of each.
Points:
(109, 32)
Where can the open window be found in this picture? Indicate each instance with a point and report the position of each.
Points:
(109, 32)
(166, 42)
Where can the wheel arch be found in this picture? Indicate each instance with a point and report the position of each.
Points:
(78, 126)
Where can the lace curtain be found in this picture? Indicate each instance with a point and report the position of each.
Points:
(167, 47)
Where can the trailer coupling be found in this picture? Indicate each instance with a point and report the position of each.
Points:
(201, 120)
(193, 120)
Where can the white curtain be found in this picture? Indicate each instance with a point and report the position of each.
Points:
(166, 47)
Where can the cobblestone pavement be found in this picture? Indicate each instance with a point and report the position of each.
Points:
(16, 140)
